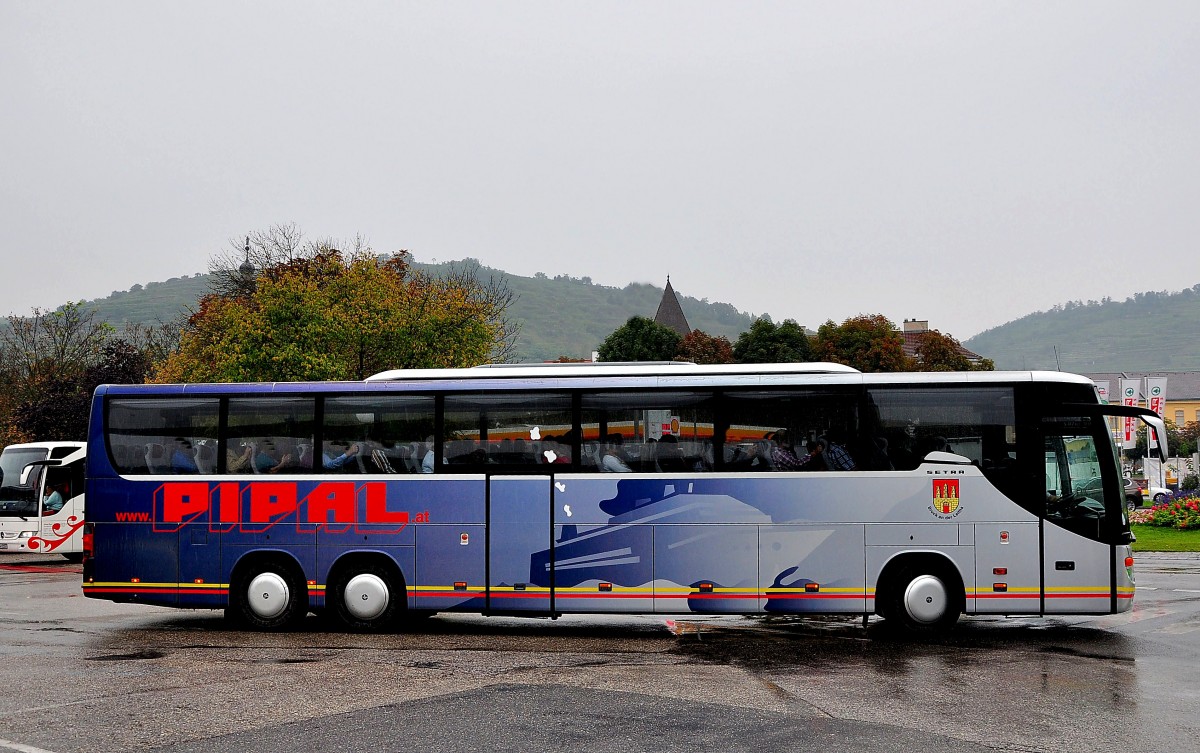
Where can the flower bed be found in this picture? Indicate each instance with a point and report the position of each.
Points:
(1182, 513)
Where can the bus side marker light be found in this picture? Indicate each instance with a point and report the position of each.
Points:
(1129, 562)
(460, 585)
(706, 588)
(812, 588)
(605, 587)
(518, 586)
(999, 571)
(1000, 587)
(198, 581)
(135, 580)
(1004, 537)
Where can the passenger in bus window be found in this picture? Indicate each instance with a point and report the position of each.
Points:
(815, 459)
(427, 458)
(236, 462)
(836, 457)
(783, 456)
(669, 455)
(332, 463)
(879, 460)
(903, 450)
(53, 501)
(266, 462)
(744, 457)
(613, 462)
(183, 458)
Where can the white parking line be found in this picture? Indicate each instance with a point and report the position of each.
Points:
(21, 748)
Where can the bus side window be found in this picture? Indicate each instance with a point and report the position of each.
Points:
(977, 423)
(375, 433)
(666, 432)
(773, 430)
(159, 435)
(266, 434)
(525, 432)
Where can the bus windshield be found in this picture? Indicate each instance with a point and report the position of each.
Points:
(15, 499)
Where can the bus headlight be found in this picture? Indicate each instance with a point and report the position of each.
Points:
(25, 535)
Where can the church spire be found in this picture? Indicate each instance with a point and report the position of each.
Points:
(670, 313)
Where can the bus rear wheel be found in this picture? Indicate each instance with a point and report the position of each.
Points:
(923, 601)
(269, 595)
(368, 597)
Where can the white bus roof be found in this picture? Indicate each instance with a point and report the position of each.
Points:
(681, 369)
(555, 370)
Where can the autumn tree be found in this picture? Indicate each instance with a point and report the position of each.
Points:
(320, 315)
(640, 339)
(869, 343)
(52, 362)
(938, 352)
(43, 359)
(767, 342)
(701, 347)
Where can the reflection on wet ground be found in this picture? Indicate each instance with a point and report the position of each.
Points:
(828, 642)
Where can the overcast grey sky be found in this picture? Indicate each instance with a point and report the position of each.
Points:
(966, 163)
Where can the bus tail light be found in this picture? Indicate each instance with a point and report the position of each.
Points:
(1129, 562)
(89, 551)
(999, 571)
(89, 532)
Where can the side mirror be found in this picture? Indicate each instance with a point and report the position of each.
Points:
(28, 470)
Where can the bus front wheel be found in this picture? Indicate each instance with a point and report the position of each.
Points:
(269, 595)
(368, 597)
(923, 600)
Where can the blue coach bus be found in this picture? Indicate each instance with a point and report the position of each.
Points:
(648, 488)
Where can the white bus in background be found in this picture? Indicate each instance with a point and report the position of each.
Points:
(34, 478)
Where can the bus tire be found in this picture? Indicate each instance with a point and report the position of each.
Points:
(269, 594)
(924, 599)
(368, 596)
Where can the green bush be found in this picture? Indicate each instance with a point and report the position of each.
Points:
(1190, 482)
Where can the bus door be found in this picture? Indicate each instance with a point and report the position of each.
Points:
(1084, 516)
(62, 507)
(520, 544)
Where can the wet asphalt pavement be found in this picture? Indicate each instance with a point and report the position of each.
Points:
(86, 675)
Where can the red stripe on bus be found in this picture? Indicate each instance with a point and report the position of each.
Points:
(153, 590)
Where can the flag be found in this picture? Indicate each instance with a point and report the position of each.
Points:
(1156, 400)
(1129, 396)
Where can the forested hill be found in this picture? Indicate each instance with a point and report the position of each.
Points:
(559, 316)
(1151, 331)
